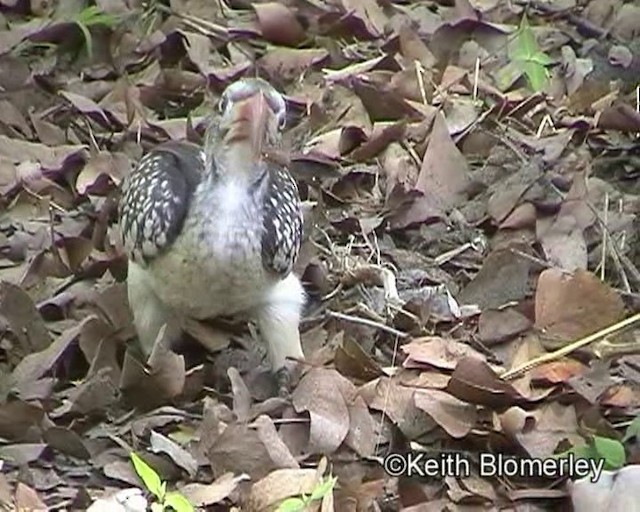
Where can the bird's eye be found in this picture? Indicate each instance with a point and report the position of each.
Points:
(282, 119)
(222, 103)
(278, 106)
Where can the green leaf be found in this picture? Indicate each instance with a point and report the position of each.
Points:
(88, 41)
(583, 451)
(611, 450)
(178, 502)
(149, 476)
(292, 505)
(633, 430)
(525, 53)
(324, 488)
(92, 15)
(536, 74)
(526, 44)
(508, 75)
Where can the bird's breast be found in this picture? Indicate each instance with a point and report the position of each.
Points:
(214, 266)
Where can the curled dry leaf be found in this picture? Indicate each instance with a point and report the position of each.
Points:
(36, 365)
(100, 169)
(180, 456)
(475, 382)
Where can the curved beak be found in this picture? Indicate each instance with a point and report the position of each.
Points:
(250, 122)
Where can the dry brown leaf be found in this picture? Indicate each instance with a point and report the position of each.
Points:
(554, 423)
(281, 484)
(396, 401)
(475, 382)
(496, 326)
(558, 372)
(180, 456)
(622, 395)
(22, 318)
(278, 451)
(239, 449)
(289, 63)
(278, 24)
(369, 12)
(456, 417)
(444, 173)
(503, 278)
(319, 394)
(437, 352)
(202, 495)
(36, 365)
(27, 498)
(569, 307)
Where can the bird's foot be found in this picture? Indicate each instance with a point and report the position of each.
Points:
(286, 378)
(283, 382)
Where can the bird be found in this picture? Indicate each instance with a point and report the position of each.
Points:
(214, 230)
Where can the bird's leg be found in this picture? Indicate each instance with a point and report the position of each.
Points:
(149, 313)
(278, 321)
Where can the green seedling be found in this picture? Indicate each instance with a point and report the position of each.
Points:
(164, 500)
(298, 504)
(530, 58)
(90, 17)
(633, 430)
(525, 58)
(600, 448)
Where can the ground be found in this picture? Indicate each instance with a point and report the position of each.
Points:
(469, 177)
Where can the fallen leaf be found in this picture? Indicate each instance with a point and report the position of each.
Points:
(569, 307)
(474, 382)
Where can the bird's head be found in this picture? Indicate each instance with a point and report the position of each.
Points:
(252, 115)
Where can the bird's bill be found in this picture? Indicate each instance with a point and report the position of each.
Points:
(250, 122)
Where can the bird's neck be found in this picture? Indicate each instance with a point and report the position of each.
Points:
(233, 164)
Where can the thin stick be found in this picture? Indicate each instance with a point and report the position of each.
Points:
(605, 232)
(370, 323)
(552, 356)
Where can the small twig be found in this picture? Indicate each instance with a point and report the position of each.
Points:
(476, 75)
(420, 77)
(449, 255)
(370, 323)
(40, 197)
(631, 268)
(332, 293)
(612, 247)
(532, 259)
(567, 349)
(605, 233)
(197, 23)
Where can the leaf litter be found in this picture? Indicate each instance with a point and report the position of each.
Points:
(468, 172)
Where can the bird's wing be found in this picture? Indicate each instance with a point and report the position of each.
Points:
(282, 222)
(156, 196)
